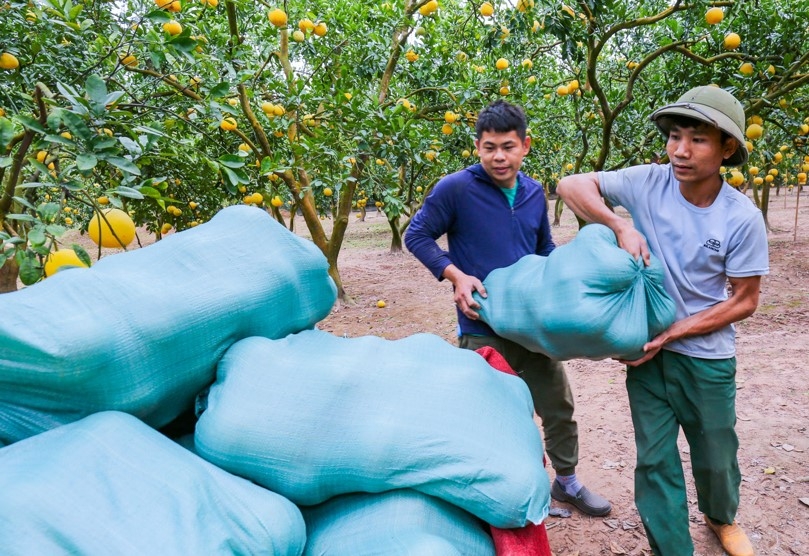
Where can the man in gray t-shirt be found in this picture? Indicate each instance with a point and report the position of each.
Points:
(707, 235)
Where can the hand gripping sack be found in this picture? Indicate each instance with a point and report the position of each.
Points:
(587, 299)
(394, 523)
(141, 331)
(313, 416)
(109, 484)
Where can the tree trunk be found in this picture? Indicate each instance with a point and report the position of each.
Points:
(396, 235)
(8, 276)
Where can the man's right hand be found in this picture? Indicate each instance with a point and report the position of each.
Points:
(464, 286)
(633, 242)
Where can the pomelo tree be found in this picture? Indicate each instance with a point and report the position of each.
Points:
(326, 109)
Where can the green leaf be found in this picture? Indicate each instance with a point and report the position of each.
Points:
(6, 133)
(129, 192)
(97, 92)
(231, 161)
(123, 164)
(220, 89)
(235, 177)
(55, 230)
(5, 162)
(86, 162)
(150, 192)
(77, 125)
(183, 44)
(30, 123)
(83, 256)
(30, 269)
(37, 236)
(131, 146)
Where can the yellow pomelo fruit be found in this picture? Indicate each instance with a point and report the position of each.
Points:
(501, 64)
(754, 131)
(746, 69)
(327, 192)
(228, 124)
(8, 61)
(320, 29)
(115, 223)
(714, 16)
(732, 41)
(486, 9)
(61, 258)
(277, 17)
(172, 28)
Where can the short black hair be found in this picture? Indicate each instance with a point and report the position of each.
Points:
(665, 123)
(501, 117)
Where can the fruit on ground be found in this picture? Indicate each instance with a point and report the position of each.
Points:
(103, 231)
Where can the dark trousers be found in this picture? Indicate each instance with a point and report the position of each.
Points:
(669, 392)
(550, 391)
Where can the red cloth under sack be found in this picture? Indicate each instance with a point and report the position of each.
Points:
(530, 540)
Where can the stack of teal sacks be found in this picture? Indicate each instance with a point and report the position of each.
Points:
(302, 446)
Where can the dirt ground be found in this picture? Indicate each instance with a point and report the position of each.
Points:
(772, 397)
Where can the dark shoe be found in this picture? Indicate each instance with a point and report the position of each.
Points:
(586, 501)
(732, 538)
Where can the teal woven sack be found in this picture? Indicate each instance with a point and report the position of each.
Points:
(141, 331)
(395, 523)
(587, 299)
(314, 415)
(109, 484)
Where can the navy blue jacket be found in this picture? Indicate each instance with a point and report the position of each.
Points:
(483, 231)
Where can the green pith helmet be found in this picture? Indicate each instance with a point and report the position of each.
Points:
(713, 106)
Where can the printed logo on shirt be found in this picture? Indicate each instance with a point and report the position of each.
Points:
(713, 244)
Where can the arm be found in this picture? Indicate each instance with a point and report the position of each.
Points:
(582, 194)
(740, 305)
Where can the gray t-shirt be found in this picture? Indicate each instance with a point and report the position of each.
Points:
(699, 247)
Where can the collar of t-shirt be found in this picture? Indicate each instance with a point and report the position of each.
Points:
(511, 192)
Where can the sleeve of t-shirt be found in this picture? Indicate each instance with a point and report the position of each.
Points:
(622, 187)
(748, 254)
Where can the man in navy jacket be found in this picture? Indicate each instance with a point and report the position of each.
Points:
(493, 214)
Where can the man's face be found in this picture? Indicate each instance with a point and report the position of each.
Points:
(501, 155)
(697, 153)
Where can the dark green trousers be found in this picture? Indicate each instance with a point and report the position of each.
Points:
(669, 392)
(550, 391)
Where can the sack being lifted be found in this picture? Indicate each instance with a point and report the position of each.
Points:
(587, 299)
(141, 331)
